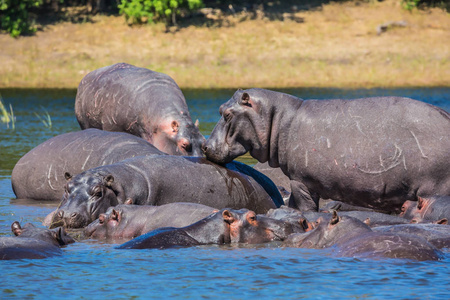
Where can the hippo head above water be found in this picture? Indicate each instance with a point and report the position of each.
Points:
(57, 237)
(85, 198)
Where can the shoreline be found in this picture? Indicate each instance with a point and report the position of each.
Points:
(335, 46)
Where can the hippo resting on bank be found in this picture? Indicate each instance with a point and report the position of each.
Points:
(352, 238)
(139, 101)
(33, 242)
(127, 221)
(39, 174)
(427, 210)
(373, 152)
(227, 226)
(157, 180)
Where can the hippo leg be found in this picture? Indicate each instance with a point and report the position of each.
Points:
(301, 198)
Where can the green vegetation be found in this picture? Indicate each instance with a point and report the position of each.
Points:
(149, 11)
(15, 16)
(45, 118)
(5, 116)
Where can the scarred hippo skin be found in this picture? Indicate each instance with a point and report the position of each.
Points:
(373, 152)
(39, 174)
(33, 242)
(139, 101)
(227, 226)
(125, 222)
(436, 234)
(432, 209)
(158, 180)
(352, 238)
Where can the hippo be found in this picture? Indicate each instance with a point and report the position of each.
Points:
(145, 103)
(436, 234)
(126, 221)
(33, 242)
(40, 174)
(227, 226)
(432, 209)
(350, 237)
(157, 180)
(371, 152)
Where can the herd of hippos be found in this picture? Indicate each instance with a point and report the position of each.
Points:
(369, 177)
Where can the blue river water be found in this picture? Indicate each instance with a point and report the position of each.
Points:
(89, 269)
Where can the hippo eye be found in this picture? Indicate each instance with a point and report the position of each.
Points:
(97, 192)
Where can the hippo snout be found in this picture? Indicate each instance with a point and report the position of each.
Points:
(67, 220)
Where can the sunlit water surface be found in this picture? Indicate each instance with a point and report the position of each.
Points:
(89, 269)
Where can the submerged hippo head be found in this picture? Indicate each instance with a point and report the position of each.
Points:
(177, 137)
(57, 236)
(86, 196)
(111, 224)
(326, 233)
(248, 227)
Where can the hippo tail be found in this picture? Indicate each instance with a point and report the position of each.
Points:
(264, 181)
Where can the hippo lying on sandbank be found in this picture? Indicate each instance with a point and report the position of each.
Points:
(39, 174)
(125, 221)
(157, 180)
(352, 238)
(148, 104)
(227, 226)
(33, 242)
(373, 152)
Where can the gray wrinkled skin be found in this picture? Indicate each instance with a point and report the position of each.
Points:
(39, 174)
(350, 237)
(125, 221)
(227, 226)
(158, 180)
(148, 104)
(372, 152)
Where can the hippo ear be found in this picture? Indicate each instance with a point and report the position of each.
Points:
(128, 201)
(307, 226)
(420, 203)
(115, 215)
(175, 126)
(108, 180)
(16, 229)
(101, 218)
(117, 188)
(67, 176)
(335, 219)
(367, 221)
(197, 123)
(443, 221)
(227, 216)
(245, 99)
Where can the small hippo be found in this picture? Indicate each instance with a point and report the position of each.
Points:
(352, 238)
(39, 174)
(33, 242)
(148, 104)
(227, 226)
(157, 180)
(130, 221)
(371, 152)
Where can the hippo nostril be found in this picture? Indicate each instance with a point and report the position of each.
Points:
(73, 215)
(204, 148)
(61, 214)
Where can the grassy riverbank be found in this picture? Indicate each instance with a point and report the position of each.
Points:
(336, 45)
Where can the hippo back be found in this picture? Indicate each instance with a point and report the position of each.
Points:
(39, 174)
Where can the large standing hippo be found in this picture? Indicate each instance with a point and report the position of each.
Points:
(227, 226)
(351, 237)
(33, 242)
(39, 174)
(139, 101)
(157, 180)
(373, 152)
(125, 221)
